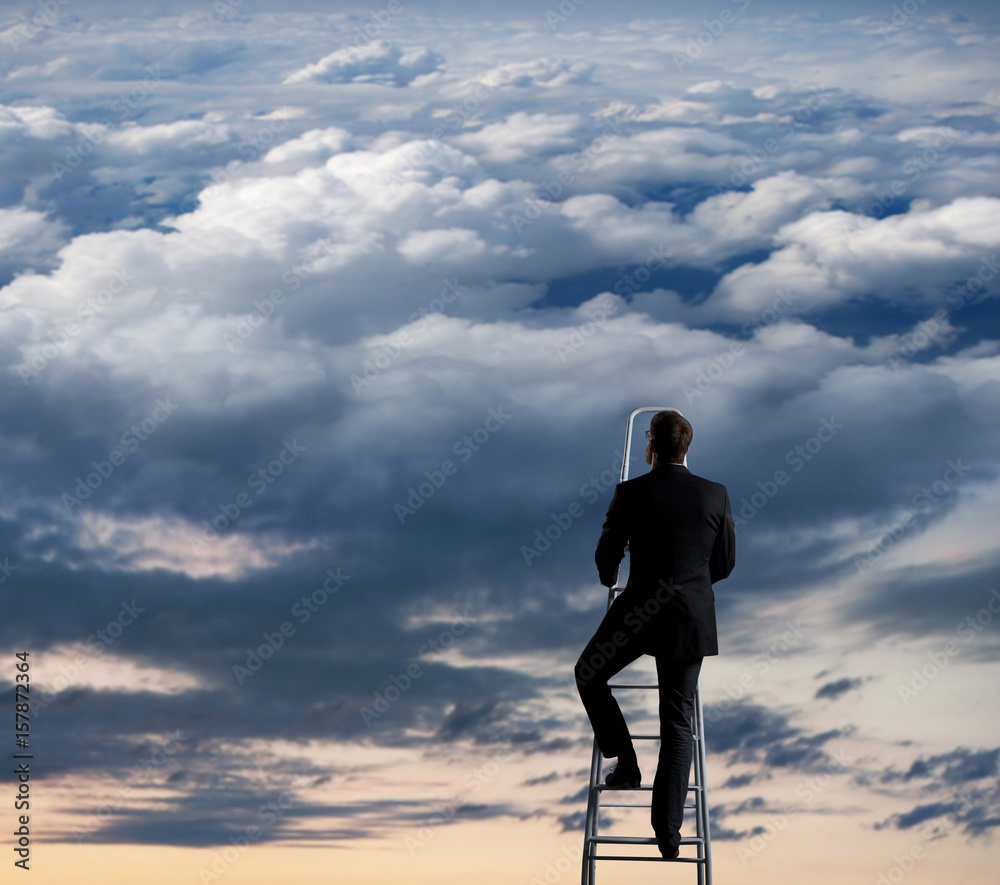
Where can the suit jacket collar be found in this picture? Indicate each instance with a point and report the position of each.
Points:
(670, 468)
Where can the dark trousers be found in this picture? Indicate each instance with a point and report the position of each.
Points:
(613, 647)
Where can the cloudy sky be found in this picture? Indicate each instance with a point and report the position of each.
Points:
(317, 322)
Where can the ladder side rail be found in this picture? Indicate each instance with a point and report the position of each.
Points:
(590, 826)
(701, 797)
(593, 794)
(593, 799)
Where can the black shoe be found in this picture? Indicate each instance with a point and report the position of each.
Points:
(665, 850)
(624, 776)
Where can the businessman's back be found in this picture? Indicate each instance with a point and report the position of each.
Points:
(680, 535)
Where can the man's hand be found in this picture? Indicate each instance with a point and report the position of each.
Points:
(613, 541)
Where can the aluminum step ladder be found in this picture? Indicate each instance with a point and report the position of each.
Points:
(592, 840)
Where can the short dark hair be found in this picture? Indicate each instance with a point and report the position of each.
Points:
(671, 434)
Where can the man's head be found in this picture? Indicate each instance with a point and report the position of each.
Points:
(670, 436)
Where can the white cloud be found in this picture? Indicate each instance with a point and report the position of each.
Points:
(450, 246)
(37, 71)
(835, 256)
(26, 237)
(314, 146)
(521, 135)
(377, 62)
(34, 121)
(750, 220)
(143, 544)
(178, 135)
(678, 154)
(77, 665)
(547, 73)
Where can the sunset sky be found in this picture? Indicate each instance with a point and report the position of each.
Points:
(319, 328)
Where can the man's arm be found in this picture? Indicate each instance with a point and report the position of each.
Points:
(614, 537)
(723, 559)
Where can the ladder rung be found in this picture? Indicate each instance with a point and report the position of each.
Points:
(648, 737)
(634, 805)
(603, 787)
(631, 685)
(641, 840)
(647, 858)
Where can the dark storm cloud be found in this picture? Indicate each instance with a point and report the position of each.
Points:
(542, 779)
(964, 790)
(912, 603)
(974, 813)
(752, 733)
(724, 834)
(740, 780)
(956, 767)
(275, 814)
(840, 687)
(572, 823)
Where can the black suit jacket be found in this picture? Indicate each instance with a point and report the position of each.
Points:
(681, 539)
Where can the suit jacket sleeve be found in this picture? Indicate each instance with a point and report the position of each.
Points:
(723, 559)
(614, 537)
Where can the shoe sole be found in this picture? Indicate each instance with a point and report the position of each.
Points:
(628, 785)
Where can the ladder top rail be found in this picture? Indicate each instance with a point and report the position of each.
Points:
(628, 433)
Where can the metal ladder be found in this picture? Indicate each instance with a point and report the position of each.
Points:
(699, 802)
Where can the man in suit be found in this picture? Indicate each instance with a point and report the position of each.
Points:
(681, 540)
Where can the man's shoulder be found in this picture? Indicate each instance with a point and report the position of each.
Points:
(710, 483)
(713, 491)
(671, 475)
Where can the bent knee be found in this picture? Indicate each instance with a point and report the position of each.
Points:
(585, 673)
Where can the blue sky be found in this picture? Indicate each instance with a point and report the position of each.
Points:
(307, 327)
